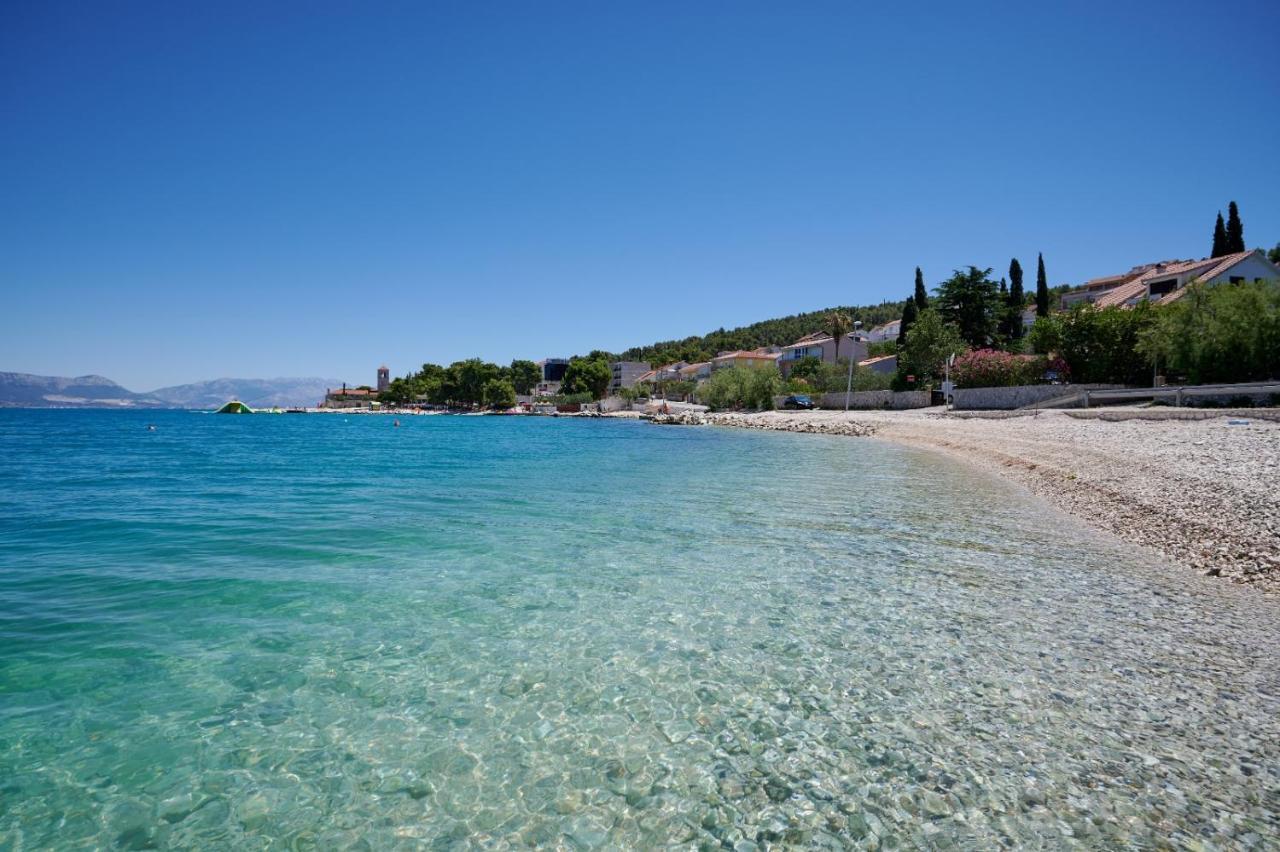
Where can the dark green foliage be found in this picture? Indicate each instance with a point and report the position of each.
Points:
(882, 347)
(909, 314)
(1235, 230)
(1227, 333)
(826, 377)
(1099, 346)
(1274, 254)
(931, 341)
(806, 368)
(1016, 302)
(499, 393)
(1219, 237)
(921, 295)
(1042, 289)
(461, 384)
(464, 381)
(838, 325)
(741, 387)
(524, 376)
(587, 375)
(969, 301)
(774, 332)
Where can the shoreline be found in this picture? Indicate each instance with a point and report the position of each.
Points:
(1201, 492)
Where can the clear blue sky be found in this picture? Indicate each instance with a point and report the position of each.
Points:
(259, 189)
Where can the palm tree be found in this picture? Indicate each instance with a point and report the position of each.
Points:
(838, 323)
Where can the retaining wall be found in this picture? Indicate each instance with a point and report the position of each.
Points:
(894, 400)
(996, 399)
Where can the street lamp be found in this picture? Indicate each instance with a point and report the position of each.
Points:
(848, 388)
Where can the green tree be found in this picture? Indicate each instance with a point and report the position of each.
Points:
(464, 381)
(587, 375)
(909, 314)
(838, 325)
(525, 375)
(930, 342)
(1274, 254)
(1219, 237)
(741, 387)
(1218, 334)
(499, 393)
(1101, 345)
(969, 300)
(399, 392)
(921, 296)
(1017, 301)
(1042, 289)
(806, 368)
(1235, 230)
(1046, 335)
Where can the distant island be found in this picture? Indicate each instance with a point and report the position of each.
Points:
(25, 390)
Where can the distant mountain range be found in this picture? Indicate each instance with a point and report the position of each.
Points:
(29, 391)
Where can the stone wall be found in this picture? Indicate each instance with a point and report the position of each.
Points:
(893, 400)
(1003, 399)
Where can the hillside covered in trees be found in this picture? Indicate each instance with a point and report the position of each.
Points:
(772, 332)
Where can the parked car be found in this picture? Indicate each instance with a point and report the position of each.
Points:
(798, 401)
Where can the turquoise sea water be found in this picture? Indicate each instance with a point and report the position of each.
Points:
(327, 632)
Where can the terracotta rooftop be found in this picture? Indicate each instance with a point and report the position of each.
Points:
(759, 356)
(876, 360)
(1205, 267)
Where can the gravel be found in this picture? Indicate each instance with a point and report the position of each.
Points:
(1203, 492)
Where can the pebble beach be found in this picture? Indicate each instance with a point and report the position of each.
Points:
(1197, 487)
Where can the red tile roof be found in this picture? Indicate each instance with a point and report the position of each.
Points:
(1204, 268)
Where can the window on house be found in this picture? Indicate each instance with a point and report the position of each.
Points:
(1237, 279)
(1159, 288)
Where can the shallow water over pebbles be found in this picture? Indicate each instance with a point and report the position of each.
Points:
(292, 632)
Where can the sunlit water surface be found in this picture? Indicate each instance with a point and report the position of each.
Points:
(329, 632)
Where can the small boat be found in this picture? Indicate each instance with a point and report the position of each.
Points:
(235, 406)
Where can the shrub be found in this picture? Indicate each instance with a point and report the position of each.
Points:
(869, 380)
(1226, 333)
(990, 368)
(741, 387)
(929, 343)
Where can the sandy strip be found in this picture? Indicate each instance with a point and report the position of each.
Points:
(1205, 492)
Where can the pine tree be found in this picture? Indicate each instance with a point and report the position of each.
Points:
(1017, 298)
(1042, 290)
(921, 295)
(1219, 238)
(909, 314)
(1235, 230)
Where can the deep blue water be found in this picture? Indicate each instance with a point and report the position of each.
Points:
(329, 632)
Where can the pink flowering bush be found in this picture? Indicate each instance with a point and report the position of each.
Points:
(991, 368)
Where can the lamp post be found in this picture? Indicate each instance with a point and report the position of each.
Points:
(848, 388)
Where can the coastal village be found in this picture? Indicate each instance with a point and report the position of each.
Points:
(974, 343)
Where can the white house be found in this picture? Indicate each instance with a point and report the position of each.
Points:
(888, 331)
(1164, 282)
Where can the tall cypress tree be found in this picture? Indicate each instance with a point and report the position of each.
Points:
(909, 314)
(1235, 230)
(1002, 325)
(1219, 238)
(1042, 290)
(921, 295)
(1017, 298)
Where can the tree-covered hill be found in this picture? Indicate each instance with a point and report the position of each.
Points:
(772, 332)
